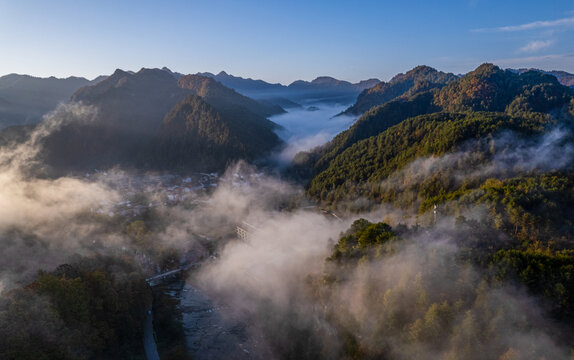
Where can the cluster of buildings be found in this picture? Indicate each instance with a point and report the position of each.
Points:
(142, 192)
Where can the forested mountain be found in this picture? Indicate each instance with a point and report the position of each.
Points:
(488, 88)
(374, 121)
(453, 297)
(486, 164)
(24, 99)
(419, 79)
(136, 102)
(359, 170)
(128, 109)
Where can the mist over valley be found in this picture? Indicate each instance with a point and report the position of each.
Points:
(155, 214)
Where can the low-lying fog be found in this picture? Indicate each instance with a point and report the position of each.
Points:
(309, 126)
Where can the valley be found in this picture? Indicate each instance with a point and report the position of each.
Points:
(428, 214)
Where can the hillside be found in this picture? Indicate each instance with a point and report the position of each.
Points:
(360, 169)
(195, 133)
(488, 88)
(128, 123)
(135, 101)
(487, 183)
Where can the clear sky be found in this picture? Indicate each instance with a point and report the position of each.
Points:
(281, 41)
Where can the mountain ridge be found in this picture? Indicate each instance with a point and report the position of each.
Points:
(487, 88)
(130, 126)
(322, 88)
(418, 79)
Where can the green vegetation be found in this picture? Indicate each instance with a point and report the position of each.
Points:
(360, 239)
(488, 88)
(376, 120)
(545, 272)
(359, 170)
(426, 297)
(480, 165)
(529, 95)
(482, 154)
(91, 309)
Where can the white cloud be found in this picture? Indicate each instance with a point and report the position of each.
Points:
(569, 21)
(537, 45)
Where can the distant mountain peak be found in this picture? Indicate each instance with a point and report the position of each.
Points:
(321, 79)
(415, 73)
(119, 73)
(563, 77)
(417, 80)
(159, 73)
(486, 68)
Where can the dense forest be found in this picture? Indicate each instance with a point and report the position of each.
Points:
(91, 308)
(381, 141)
(453, 302)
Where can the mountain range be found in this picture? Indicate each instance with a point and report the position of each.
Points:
(137, 111)
(471, 177)
(321, 89)
(486, 95)
(24, 99)
(136, 117)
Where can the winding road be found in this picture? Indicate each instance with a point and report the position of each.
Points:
(150, 346)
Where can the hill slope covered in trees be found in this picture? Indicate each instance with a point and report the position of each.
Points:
(488, 88)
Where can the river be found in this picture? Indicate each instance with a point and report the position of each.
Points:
(212, 330)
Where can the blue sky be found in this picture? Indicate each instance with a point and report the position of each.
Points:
(281, 41)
